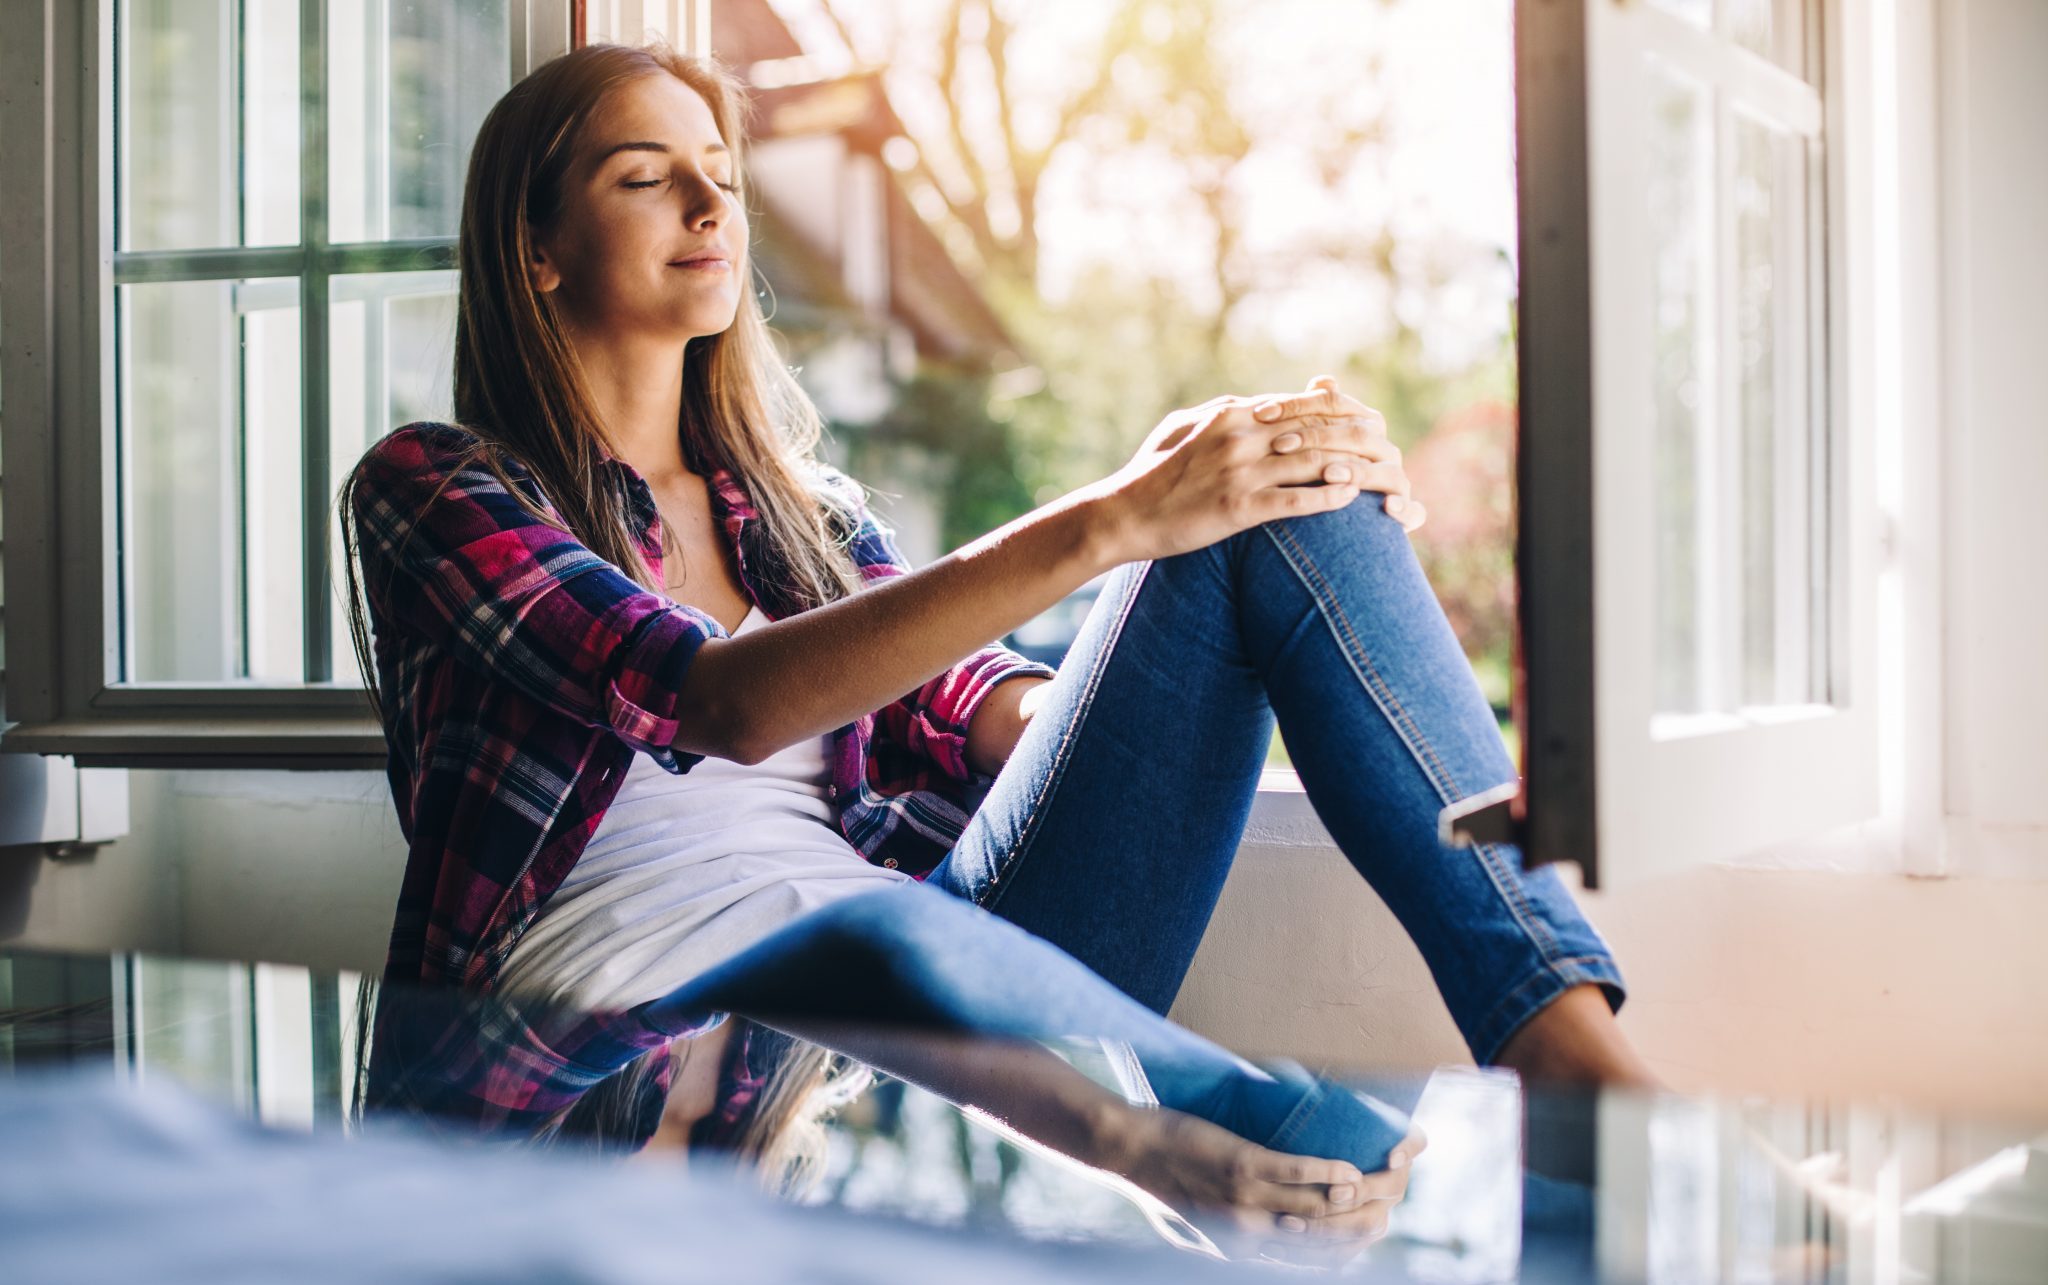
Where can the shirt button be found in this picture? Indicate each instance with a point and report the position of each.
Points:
(889, 862)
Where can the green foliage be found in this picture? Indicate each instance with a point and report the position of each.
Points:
(984, 481)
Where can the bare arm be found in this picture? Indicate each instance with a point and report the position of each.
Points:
(824, 668)
(1184, 1160)
(1202, 474)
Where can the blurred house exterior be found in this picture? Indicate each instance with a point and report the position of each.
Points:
(863, 295)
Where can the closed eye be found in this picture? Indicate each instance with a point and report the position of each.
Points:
(654, 182)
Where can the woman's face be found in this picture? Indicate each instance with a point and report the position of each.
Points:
(651, 240)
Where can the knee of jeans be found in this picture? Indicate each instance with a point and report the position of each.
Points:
(1361, 530)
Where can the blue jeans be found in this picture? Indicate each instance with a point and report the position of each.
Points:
(1090, 868)
(1110, 830)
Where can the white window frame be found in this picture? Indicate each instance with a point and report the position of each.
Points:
(1600, 789)
(62, 503)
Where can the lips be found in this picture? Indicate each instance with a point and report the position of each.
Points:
(706, 260)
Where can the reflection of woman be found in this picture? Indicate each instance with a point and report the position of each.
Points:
(643, 661)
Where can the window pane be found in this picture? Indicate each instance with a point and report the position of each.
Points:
(1777, 29)
(1679, 188)
(409, 84)
(1698, 12)
(191, 1024)
(210, 432)
(1772, 402)
(391, 353)
(207, 145)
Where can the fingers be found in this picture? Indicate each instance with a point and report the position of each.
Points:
(1284, 1167)
(1411, 1146)
(1339, 470)
(1410, 512)
(1318, 400)
(1269, 503)
(1359, 430)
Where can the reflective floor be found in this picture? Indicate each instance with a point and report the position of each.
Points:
(1513, 1184)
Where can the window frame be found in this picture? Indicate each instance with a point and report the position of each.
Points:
(61, 485)
(1600, 789)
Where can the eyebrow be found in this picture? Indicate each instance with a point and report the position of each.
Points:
(648, 145)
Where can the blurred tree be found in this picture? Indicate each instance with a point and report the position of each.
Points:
(1116, 201)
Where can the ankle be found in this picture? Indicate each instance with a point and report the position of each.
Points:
(1575, 1040)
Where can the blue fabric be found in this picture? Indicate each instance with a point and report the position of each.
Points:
(1099, 851)
(1111, 829)
(1076, 895)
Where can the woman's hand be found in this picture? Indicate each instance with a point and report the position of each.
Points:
(1389, 477)
(1213, 470)
(1199, 1168)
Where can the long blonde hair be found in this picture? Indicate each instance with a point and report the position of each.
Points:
(520, 391)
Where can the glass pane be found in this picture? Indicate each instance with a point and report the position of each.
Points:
(1679, 189)
(1777, 29)
(191, 1024)
(1775, 415)
(1698, 12)
(408, 85)
(210, 429)
(392, 352)
(207, 144)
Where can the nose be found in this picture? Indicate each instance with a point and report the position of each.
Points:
(704, 206)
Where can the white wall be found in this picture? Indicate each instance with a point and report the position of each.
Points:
(1994, 183)
(1792, 983)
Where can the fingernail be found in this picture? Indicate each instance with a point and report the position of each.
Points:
(1292, 1223)
(1270, 411)
(1399, 1160)
(1338, 473)
(1395, 504)
(1286, 441)
(1342, 1195)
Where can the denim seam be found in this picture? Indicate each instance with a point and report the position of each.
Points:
(995, 887)
(1298, 559)
(1500, 1023)
(1296, 1118)
(1325, 598)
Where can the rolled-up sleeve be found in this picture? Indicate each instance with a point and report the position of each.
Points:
(450, 554)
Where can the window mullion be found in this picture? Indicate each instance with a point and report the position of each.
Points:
(313, 327)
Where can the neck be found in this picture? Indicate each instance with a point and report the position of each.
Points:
(636, 386)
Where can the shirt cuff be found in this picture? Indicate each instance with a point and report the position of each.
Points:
(647, 680)
(959, 693)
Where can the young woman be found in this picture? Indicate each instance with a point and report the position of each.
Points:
(655, 681)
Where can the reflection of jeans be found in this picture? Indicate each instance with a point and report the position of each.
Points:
(1111, 828)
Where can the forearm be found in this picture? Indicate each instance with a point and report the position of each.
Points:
(818, 670)
(1020, 1083)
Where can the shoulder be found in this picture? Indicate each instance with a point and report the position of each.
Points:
(432, 444)
(445, 482)
(432, 455)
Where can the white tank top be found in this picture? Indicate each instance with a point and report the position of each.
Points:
(686, 871)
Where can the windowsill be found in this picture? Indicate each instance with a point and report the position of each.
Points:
(1282, 816)
(345, 743)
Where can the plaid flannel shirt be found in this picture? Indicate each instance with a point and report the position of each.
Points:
(521, 672)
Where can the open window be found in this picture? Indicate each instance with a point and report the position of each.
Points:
(1696, 557)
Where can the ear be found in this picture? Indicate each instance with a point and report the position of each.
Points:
(541, 269)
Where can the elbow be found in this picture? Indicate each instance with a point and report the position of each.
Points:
(711, 716)
(744, 749)
(719, 730)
